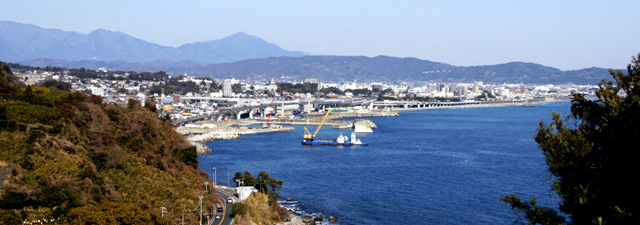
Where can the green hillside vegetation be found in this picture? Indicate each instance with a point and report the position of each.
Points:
(75, 160)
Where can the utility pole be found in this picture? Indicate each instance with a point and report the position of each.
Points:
(240, 184)
(215, 174)
(201, 197)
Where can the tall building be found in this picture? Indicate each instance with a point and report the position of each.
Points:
(226, 88)
(461, 90)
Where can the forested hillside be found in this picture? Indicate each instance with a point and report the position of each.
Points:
(384, 69)
(70, 158)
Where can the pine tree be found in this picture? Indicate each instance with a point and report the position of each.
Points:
(593, 157)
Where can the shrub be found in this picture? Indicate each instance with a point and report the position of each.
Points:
(188, 156)
(14, 199)
(74, 98)
(113, 213)
(132, 103)
(23, 112)
(238, 208)
(65, 110)
(108, 158)
(57, 85)
(96, 99)
(9, 217)
(258, 208)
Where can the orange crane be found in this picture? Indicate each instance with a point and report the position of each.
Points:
(308, 137)
(264, 126)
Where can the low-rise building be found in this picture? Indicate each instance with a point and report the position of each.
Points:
(245, 191)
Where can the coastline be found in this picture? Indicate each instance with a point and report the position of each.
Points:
(298, 217)
(232, 130)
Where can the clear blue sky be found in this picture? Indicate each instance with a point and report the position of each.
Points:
(567, 34)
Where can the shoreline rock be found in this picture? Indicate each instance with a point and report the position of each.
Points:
(210, 136)
(201, 149)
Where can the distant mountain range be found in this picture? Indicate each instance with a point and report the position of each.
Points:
(350, 68)
(248, 57)
(20, 42)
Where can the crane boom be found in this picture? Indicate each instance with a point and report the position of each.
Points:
(321, 123)
(308, 135)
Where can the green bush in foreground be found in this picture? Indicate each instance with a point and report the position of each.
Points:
(238, 208)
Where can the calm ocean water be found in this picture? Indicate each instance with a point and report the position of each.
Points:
(443, 166)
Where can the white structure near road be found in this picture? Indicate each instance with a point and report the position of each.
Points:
(245, 191)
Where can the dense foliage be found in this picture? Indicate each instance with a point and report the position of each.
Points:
(360, 92)
(113, 213)
(75, 158)
(262, 206)
(174, 86)
(259, 208)
(592, 157)
(263, 183)
(328, 90)
(297, 88)
(57, 85)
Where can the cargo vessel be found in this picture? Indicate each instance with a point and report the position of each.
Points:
(309, 139)
(341, 140)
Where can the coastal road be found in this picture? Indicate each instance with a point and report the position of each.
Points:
(225, 218)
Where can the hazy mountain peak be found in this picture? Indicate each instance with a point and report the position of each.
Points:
(101, 31)
(240, 34)
(22, 42)
(242, 37)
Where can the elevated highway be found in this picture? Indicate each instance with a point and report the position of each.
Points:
(417, 105)
(286, 107)
(250, 107)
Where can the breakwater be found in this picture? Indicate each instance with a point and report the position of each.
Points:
(197, 136)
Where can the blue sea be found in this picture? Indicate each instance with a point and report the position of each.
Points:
(440, 166)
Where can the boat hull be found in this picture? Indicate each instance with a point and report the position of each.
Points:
(331, 143)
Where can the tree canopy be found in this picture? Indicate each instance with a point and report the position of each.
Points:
(297, 88)
(264, 183)
(592, 157)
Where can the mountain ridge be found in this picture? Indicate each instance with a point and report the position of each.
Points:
(22, 42)
(244, 56)
(348, 68)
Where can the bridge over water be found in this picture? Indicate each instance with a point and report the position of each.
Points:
(259, 107)
(250, 107)
(417, 104)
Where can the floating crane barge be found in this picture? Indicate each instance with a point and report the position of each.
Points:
(309, 139)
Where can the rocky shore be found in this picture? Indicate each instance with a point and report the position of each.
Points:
(233, 130)
(197, 136)
(297, 217)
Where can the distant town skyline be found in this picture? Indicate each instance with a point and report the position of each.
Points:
(567, 35)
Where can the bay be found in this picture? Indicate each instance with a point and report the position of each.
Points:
(442, 166)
